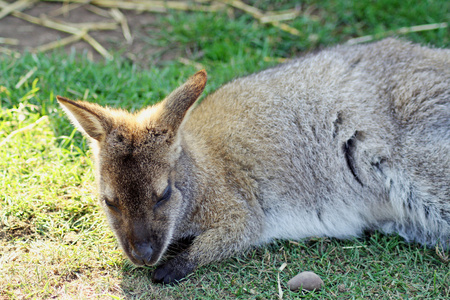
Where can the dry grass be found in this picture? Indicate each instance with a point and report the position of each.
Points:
(111, 9)
(59, 269)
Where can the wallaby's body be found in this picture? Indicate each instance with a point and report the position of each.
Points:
(332, 144)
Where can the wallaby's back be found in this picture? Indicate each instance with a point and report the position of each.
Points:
(348, 139)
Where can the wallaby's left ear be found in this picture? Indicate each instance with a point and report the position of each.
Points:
(89, 118)
(175, 106)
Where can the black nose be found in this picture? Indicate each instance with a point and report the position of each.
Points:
(142, 252)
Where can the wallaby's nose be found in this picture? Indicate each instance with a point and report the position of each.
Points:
(142, 252)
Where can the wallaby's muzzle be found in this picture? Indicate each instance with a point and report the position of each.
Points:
(142, 245)
(143, 252)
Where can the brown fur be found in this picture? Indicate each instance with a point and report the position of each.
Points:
(349, 139)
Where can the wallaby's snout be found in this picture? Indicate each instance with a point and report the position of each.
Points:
(143, 252)
(139, 244)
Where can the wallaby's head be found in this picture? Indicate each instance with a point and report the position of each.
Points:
(135, 155)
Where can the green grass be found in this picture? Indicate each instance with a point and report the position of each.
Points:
(54, 241)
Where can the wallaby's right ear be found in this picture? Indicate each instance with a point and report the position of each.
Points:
(176, 105)
(89, 118)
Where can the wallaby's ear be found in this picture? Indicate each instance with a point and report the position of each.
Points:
(175, 106)
(89, 118)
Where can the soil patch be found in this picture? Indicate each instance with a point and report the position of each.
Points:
(17, 34)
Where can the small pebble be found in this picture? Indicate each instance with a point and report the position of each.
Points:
(309, 281)
(341, 288)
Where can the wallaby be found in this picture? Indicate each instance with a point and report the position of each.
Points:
(349, 139)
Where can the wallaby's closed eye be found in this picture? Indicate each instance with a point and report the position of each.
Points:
(332, 144)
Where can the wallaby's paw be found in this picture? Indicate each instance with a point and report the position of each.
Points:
(172, 272)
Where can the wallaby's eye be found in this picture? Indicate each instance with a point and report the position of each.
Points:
(110, 204)
(166, 194)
